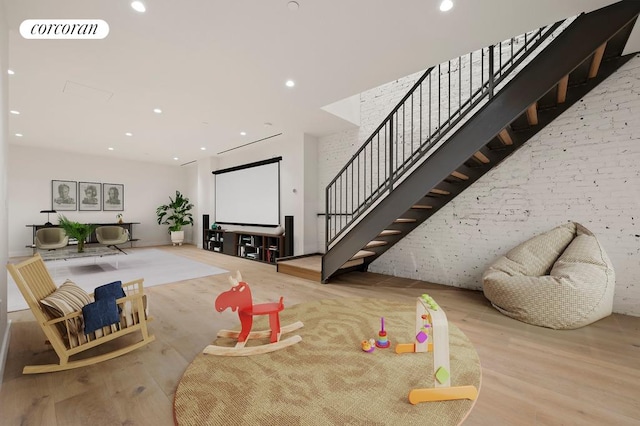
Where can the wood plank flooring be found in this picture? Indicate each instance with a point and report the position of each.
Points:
(531, 375)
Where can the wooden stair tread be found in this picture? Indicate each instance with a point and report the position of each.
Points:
(421, 206)
(505, 137)
(351, 263)
(481, 158)
(459, 175)
(597, 60)
(404, 220)
(439, 191)
(376, 243)
(362, 254)
(563, 84)
(532, 114)
(387, 232)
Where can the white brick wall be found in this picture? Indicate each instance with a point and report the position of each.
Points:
(584, 167)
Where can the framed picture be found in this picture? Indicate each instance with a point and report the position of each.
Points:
(90, 196)
(64, 195)
(112, 197)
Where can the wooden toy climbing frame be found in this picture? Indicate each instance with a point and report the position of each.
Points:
(432, 322)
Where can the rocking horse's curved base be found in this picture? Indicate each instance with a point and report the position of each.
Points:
(261, 334)
(251, 350)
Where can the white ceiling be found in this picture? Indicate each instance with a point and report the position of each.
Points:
(217, 68)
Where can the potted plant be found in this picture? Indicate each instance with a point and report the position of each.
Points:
(176, 214)
(77, 230)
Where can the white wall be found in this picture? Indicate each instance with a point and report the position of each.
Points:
(310, 199)
(146, 186)
(4, 111)
(205, 191)
(584, 167)
(192, 233)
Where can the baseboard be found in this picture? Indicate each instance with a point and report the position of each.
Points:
(4, 350)
(20, 253)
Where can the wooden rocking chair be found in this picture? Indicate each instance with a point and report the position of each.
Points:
(66, 333)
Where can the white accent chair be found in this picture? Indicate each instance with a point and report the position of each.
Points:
(111, 236)
(51, 238)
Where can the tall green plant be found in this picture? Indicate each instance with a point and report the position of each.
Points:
(176, 214)
(77, 230)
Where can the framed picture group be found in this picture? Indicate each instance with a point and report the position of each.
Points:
(86, 196)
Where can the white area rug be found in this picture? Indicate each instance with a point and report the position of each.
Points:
(155, 266)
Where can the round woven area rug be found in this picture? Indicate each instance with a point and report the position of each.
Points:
(327, 379)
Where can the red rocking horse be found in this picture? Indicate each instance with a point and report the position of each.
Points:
(239, 299)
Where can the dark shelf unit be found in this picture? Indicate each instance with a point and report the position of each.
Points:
(249, 245)
(213, 240)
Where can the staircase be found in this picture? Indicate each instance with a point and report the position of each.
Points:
(460, 120)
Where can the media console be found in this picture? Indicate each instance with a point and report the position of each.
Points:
(250, 245)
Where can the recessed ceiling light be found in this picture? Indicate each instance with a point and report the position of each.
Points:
(110, 148)
(19, 135)
(13, 111)
(138, 6)
(203, 148)
(446, 5)
(290, 83)
(243, 133)
(10, 72)
(157, 110)
(128, 134)
(293, 5)
(176, 158)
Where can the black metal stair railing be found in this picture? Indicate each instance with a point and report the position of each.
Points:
(437, 104)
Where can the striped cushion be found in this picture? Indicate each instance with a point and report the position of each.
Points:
(67, 298)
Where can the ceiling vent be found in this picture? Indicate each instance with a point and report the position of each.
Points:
(86, 92)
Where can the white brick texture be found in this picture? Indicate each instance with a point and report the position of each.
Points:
(583, 167)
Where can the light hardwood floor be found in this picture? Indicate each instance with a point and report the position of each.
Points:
(530, 375)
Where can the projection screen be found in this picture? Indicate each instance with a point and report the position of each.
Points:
(249, 194)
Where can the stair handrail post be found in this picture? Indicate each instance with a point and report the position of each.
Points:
(391, 158)
(327, 237)
(491, 72)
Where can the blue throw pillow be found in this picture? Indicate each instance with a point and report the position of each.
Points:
(100, 313)
(106, 291)
(113, 289)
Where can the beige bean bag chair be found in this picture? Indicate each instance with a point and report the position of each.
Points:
(561, 279)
